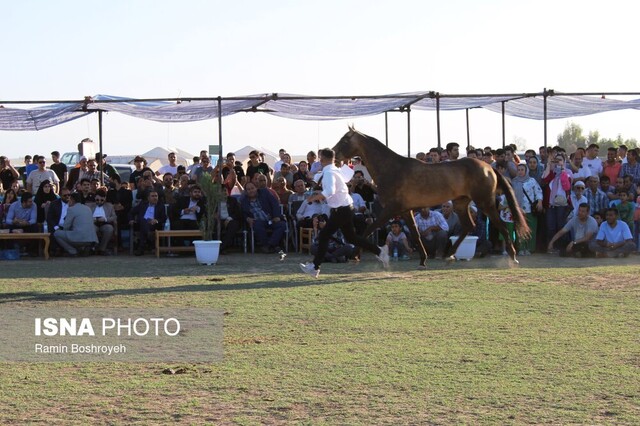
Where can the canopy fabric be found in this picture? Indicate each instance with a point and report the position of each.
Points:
(40, 118)
(530, 106)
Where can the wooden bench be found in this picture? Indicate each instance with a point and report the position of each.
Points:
(29, 236)
(172, 234)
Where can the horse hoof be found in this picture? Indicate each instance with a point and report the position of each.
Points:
(450, 259)
(516, 261)
(422, 267)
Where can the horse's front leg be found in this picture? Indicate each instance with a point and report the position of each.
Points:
(410, 220)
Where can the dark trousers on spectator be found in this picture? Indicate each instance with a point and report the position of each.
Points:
(341, 218)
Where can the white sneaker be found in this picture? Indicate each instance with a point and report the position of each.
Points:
(309, 268)
(384, 256)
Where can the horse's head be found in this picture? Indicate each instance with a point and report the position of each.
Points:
(349, 145)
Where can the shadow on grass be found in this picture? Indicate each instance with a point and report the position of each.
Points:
(33, 296)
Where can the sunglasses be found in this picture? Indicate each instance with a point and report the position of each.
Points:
(41, 162)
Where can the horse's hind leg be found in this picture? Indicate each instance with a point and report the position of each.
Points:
(415, 237)
(461, 207)
(492, 213)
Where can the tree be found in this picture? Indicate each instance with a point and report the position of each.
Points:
(572, 138)
(520, 142)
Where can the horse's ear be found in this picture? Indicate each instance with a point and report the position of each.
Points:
(352, 128)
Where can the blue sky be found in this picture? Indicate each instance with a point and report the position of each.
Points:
(69, 49)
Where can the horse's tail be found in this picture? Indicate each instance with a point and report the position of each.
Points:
(521, 227)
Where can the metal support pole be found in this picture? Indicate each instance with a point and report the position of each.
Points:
(468, 138)
(219, 131)
(504, 136)
(386, 129)
(438, 118)
(409, 132)
(545, 116)
(100, 165)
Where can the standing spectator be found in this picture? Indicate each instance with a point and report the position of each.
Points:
(577, 197)
(205, 167)
(172, 167)
(255, 166)
(8, 174)
(597, 199)
(76, 173)
(611, 167)
(529, 196)
(592, 162)
(535, 169)
(195, 165)
(41, 174)
(108, 169)
(632, 167)
(59, 168)
(23, 170)
(558, 183)
(141, 167)
(303, 174)
(314, 166)
(622, 154)
(453, 150)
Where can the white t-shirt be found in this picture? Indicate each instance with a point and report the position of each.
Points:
(168, 169)
(594, 166)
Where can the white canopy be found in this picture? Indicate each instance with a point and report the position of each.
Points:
(300, 107)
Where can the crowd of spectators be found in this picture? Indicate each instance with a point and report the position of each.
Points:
(576, 204)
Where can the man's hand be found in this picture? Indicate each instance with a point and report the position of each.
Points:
(250, 221)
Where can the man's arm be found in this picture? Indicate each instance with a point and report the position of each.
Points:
(559, 234)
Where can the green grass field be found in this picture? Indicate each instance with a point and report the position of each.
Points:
(551, 341)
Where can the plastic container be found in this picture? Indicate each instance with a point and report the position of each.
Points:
(467, 248)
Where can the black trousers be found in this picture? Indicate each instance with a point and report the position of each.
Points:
(341, 218)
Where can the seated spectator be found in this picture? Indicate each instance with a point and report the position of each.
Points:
(614, 237)
(22, 217)
(9, 198)
(397, 242)
(78, 229)
(434, 231)
(261, 211)
(169, 191)
(605, 186)
(121, 198)
(581, 230)
(452, 218)
(360, 215)
(43, 199)
(280, 187)
(230, 220)
(189, 210)
(299, 191)
(149, 216)
(285, 172)
(338, 250)
(104, 219)
(263, 182)
(86, 196)
(308, 210)
(303, 174)
(577, 197)
(629, 187)
(362, 186)
(183, 186)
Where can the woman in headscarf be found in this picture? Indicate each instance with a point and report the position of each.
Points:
(43, 198)
(535, 169)
(529, 195)
(557, 181)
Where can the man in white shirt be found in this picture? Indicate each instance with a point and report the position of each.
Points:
(336, 193)
(41, 174)
(591, 162)
(172, 167)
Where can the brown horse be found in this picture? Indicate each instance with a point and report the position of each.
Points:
(406, 184)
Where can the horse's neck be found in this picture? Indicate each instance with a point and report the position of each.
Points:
(377, 156)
